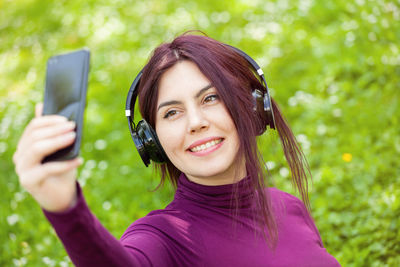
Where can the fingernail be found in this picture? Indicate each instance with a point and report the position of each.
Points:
(62, 118)
(71, 124)
(70, 135)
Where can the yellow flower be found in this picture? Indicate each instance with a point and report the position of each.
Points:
(347, 157)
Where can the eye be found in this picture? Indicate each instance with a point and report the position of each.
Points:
(170, 113)
(211, 98)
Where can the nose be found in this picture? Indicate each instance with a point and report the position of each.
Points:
(196, 121)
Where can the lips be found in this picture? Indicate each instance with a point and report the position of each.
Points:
(205, 144)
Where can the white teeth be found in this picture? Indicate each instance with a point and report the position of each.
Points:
(206, 145)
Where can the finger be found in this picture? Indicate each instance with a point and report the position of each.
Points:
(36, 124)
(42, 134)
(35, 153)
(44, 121)
(40, 122)
(59, 167)
(51, 131)
(38, 109)
(38, 174)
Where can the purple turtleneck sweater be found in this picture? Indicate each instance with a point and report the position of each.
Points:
(198, 228)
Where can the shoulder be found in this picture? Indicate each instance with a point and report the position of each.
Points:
(278, 195)
(286, 205)
(290, 204)
(278, 192)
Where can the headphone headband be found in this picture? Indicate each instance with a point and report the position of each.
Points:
(270, 119)
(132, 95)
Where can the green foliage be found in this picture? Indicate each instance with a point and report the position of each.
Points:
(333, 66)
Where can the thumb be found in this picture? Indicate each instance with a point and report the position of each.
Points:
(38, 109)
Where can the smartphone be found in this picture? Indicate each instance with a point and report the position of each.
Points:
(65, 95)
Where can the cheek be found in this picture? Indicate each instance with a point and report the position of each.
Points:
(227, 124)
(170, 137)
(223, 120)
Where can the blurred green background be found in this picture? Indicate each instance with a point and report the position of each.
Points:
(333, 66)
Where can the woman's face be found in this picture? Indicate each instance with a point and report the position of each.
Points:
(195, 128)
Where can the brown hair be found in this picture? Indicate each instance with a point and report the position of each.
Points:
(234, 80)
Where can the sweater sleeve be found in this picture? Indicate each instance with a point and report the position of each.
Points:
(87, 242)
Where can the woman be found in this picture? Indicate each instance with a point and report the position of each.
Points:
(200, 96)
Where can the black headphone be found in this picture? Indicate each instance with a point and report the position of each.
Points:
(145, 137)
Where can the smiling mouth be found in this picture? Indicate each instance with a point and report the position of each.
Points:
(206, 145)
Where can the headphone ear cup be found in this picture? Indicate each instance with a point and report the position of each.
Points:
(141, 149)
(258, 97)
(269, 114)
(151, 147)
(263, 107)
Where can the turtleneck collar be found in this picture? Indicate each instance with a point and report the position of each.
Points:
(220, 196)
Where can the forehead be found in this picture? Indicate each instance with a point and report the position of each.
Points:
(184, 79)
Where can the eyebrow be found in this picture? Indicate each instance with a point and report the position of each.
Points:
(174, 102)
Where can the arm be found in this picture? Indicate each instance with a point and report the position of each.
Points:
(53, 185)
(87, 242)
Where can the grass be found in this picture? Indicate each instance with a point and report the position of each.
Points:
(333, 66)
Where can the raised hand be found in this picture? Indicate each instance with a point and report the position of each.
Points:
(51, 184)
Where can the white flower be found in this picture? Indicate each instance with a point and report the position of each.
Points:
(270, 165)
(106, 205)
(103, 165)
(100, 144)
(321, 129)
(48, 261)
(20, 262)
(284, 172)
(12, 219)
(90, 164)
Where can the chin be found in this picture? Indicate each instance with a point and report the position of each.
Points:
(211, 175)
(210, 168)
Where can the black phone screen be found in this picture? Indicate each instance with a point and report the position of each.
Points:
(65, 94)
